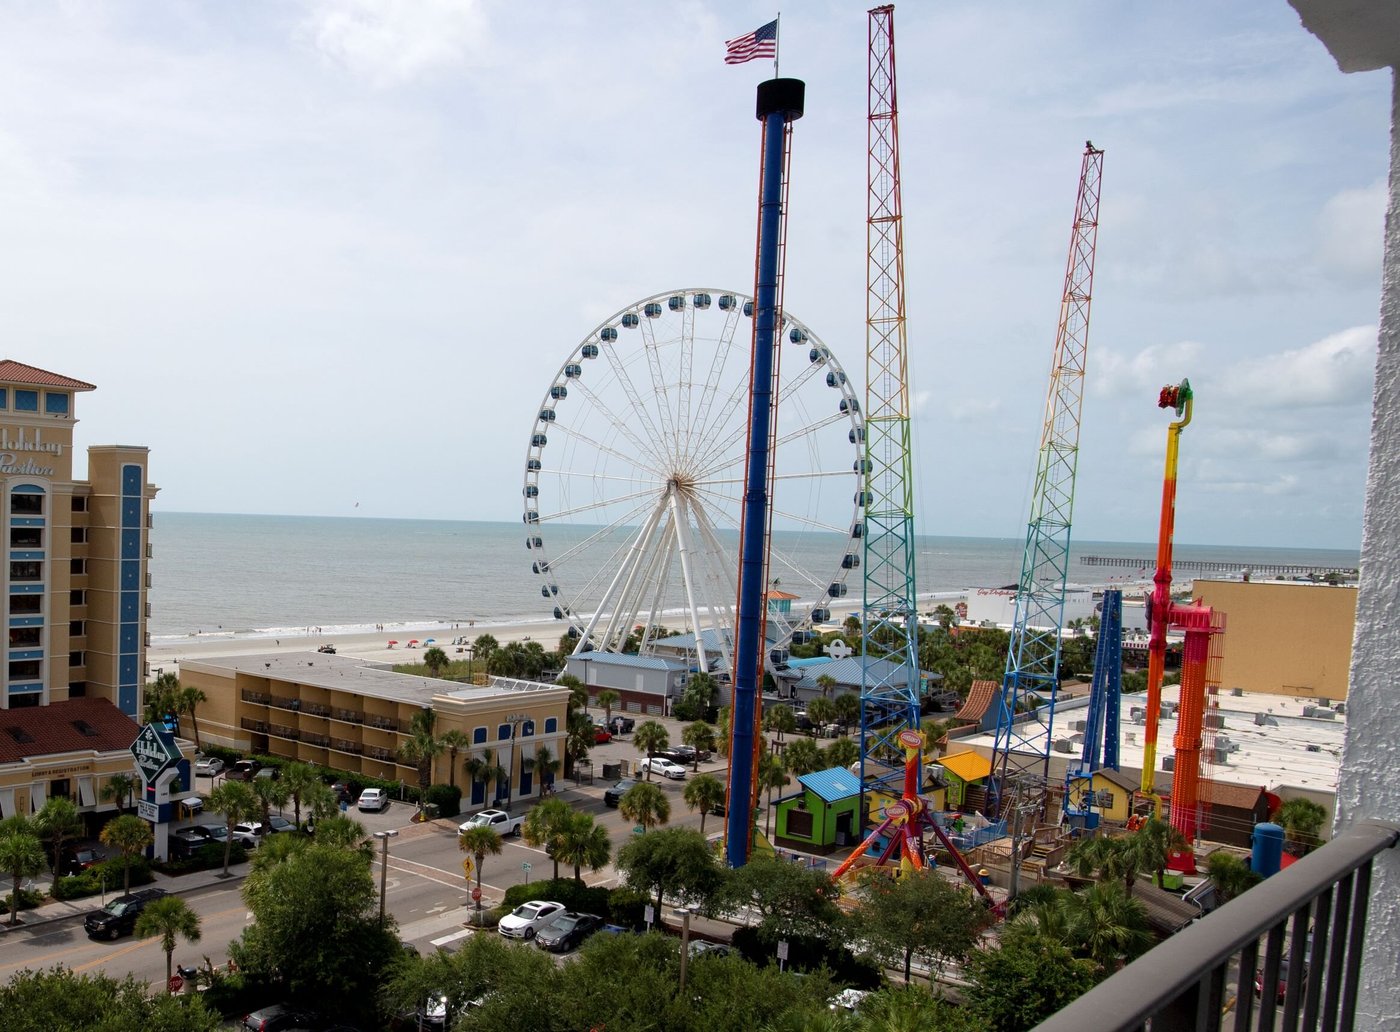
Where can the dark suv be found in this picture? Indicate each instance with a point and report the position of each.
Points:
(243, 770)
(622, 725)
(614, 795)
(119, 916)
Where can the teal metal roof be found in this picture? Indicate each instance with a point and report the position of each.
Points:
(832, 785)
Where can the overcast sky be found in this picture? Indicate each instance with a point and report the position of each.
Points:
(330, 252)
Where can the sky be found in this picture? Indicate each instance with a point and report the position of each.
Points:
(325, 257)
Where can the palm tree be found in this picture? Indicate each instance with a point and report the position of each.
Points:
(270, 792)
(21, 856)
(1301, 818)
(343, 832)
(781, 719)
(118, 789)
(186, 700)
(484, 645)
(479, 841)
(583, 842)
(1155, 841)
(1108, 924)
(608, 698)
(56, 822)
(298, 781)
(168, 917)
(841, 753)
(420, 749)
(454, 741)
(546, 766)
(435, 660)
(543, 826)
(236, 801)
(802, 756)
(847, 709)
(704, 793)
(650, 737)
(129, 835)
(698, 735)
(722, 731)
(492, 773)
(821, 711)
(161, 697)
(646, 805)
(578, 741)
(826, 684)
(771, 774)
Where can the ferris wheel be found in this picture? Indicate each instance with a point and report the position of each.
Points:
(634, 479)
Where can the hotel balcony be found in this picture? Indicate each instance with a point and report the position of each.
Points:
(318, 740)
(249, 724)
(383, 723)
(346, 746)
(346, 716)
(375, 752)
(256, 698)
(283, 731)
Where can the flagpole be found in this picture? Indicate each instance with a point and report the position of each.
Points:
(777, 41)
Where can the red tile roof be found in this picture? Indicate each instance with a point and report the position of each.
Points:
(979, 699)
(43, 730)
(17, 372)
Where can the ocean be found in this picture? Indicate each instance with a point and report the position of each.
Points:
(227, 576)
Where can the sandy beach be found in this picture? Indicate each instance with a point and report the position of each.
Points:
(374, 647)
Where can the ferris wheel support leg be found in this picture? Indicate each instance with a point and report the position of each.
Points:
(647, 530)
(680, 513)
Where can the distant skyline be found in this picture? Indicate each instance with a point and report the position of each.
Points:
(325, 258)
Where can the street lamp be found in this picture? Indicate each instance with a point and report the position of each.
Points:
(471, 654)
(685, 913)
(384, 836)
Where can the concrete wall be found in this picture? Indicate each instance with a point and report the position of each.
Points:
(1284, 638)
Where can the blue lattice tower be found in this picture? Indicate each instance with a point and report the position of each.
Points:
(1101, 723)
(889, 700)
(1026, 709)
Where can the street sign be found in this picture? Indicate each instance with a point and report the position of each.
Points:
(639, 830)
(155, 752)
(476, 895)
(176, 983)
(525, 866)
(650, 913)
(783, 950)
(468, 866)
(148, 811)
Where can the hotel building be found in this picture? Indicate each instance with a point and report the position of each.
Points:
(75, 597)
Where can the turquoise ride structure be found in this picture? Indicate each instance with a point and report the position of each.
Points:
(1026, 707)
(890, 690)
(780, 103)
(1101, 723)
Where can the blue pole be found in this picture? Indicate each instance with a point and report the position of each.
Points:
(779, 101)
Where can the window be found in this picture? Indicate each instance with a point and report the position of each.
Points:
(27, 503)
(1105, 799)
(478, 736)
(80, 503)
(55, 404)
(4, 397)
(76, 659)
(503, 732)
(77, 597)
(24, 700)
(26, 401)
(799, 823)
(59, 788)
(26, 537)
(25, 637)
(77, 689)
(77, 535)
(77, 567)
(551, 725)
(26, 571)
(24, 670)
(32, 603)
(77, 628)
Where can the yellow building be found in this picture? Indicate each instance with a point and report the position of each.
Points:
(1284, 637)
(353, 716)
(75, 599)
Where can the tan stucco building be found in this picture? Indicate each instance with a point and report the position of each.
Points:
(1284, 637)
(75, 597)
(353, 716)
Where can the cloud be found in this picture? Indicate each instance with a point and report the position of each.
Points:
(394, 41)
(1114, 373)
(1336, 370)
(1349, 235)
(974, 410)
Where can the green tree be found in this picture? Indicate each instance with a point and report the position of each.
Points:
(826, 684)
(802, 756)
(483, 970)
(269, 792)
(704, 792)
(841, 753)
(420, 750)
(722, 731)
(544, 825)
(21, 856)
(436, 661)
(698, 699)
(454, 741)
(1107, 925)
(650, 737)
(1302, 819)
(168, 917)
(492, 772)
(919, 914)
(583, 842)
(236, 802)
(608, 698)
(674, 861)
(546, 766)
(299, 780)
(479, 841)
(912, 1008)
(847, 709)
(780, 719)
(483, 645)
(39, 1001)
(187, 700)
(791, 900)
(1154, 843)
(646, 805)
(119, 789)
(315, 929)
(129, 835)
(772, 775)
(578, 740)
(1023, 980)
(341, 832)
(1231, 875)
(1111, 858)
(57, 822)
(821, 710)
(700, 736)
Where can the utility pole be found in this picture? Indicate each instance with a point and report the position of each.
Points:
(1027, 799)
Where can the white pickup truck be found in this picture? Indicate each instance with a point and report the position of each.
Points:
(499, 821)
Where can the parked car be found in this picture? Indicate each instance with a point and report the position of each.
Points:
(274, 824)
(614, 795)
(281, 1017)
(119, 916)
(184, 841)
(528, 918)
(269, 773)
(702, 948)
(847, 999)
(79, 859)
(244, 770)
(219, 833)
(660, 765)
(343, 792)
(567, 931)
(601, 735)
(327, 649)
(208, 766)
(499, 821)
(686, 754)
(373, 799)
(622, 725)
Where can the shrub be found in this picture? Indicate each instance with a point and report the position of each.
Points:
(77, 886)
(28, 900)
(591, 899)
(807, 953)
(627, 907)
(115, 868)
(447, 799)
(229, 756)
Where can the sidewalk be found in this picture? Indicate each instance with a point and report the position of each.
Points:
(176, 885)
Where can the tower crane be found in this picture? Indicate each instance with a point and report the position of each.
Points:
(1026, 707)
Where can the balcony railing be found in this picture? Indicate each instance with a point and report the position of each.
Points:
(283, 731)
(342, 745)
(383, 723)
(260, 698)
(316, 709)
(285, 702)
(1311, 918)
(248, 724)
(374, 752)
(348, 716)
(311, 738)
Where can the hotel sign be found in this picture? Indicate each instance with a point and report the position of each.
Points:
(13, 462)
(155, 752)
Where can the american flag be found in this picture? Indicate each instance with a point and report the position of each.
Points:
(761, 42)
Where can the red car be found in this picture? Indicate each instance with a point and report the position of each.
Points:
(601, 735)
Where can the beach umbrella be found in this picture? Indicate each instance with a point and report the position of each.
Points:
(413, 641)
(429, 641)
(393, 643)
